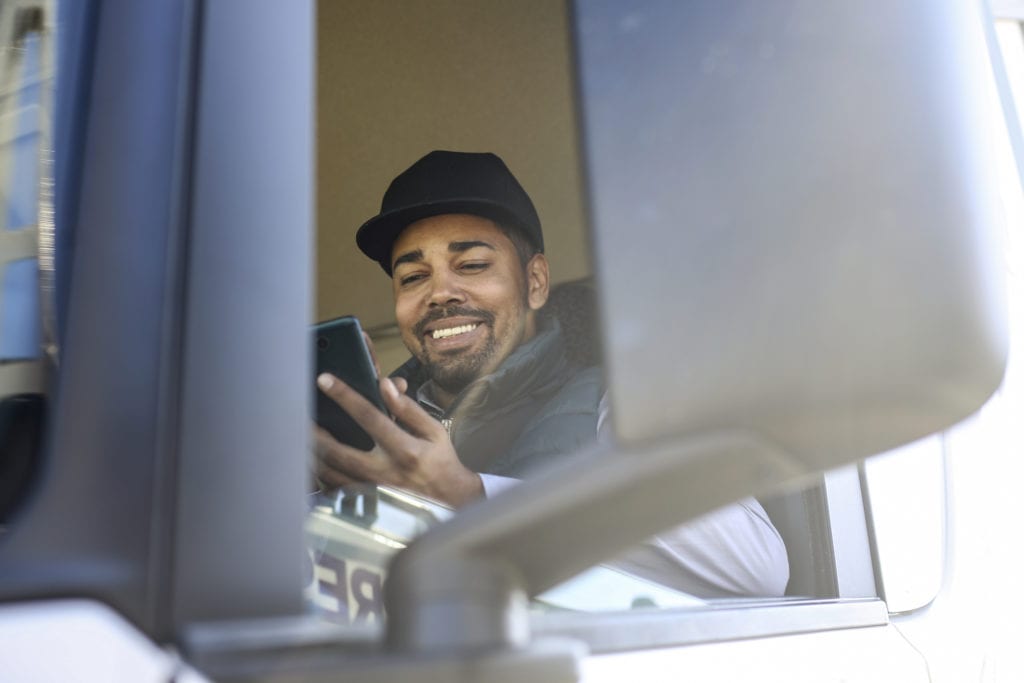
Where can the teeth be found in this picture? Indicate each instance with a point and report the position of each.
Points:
(452, 331)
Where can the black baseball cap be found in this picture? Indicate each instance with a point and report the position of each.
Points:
(443, 182)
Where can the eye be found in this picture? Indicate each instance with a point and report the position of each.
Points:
(413, 278)
(474, 266)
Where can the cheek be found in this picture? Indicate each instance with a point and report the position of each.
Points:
(409, 339)
(512, 315)
(405, 315)
(505, 291)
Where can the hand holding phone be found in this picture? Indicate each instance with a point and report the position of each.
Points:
(341, 350)
(415, 452)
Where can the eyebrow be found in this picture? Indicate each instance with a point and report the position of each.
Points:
(453, 247)
(459, 247)
(408, 257)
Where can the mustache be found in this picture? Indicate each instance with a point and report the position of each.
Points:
(451, 312)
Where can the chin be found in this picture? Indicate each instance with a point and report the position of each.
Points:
(456, 376)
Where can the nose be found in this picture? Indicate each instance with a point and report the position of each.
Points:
(444, 290)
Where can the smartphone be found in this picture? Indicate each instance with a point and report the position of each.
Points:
(340, 349)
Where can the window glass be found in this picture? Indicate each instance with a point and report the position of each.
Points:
(906, 489)
(21, 121)
(23, 129)
(486, 77)
(20, 320)
(26, 82)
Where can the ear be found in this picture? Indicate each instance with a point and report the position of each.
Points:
(538, 283)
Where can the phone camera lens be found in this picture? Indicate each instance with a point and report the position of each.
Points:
(322, 343)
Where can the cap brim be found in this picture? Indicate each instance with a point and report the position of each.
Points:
(377, 236)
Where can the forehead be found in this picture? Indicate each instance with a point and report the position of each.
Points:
(437, 232)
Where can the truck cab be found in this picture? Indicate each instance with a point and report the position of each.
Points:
(801, 225)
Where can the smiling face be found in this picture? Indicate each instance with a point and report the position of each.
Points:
(463, 299)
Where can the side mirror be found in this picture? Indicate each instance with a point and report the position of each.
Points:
(796, 222)
(797, 256)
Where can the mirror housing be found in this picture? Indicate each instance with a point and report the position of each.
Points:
(796, 227)
(798, 255)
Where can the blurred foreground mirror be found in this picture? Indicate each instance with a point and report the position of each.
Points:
(795, 217)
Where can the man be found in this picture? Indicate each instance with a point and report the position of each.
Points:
(490, 394)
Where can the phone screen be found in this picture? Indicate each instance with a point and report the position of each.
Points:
(340, 349)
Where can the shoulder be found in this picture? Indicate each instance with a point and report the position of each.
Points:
(580, 394)
(566, 423)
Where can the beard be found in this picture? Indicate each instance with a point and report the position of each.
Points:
(454, 371)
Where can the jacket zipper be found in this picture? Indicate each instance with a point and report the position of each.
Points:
(449, 424)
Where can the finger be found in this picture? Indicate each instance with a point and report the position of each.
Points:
(352, 402)
(330, 480)
(339, 464)
(401, 384)
(407, 411)
(381, 428)
(326, 477)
